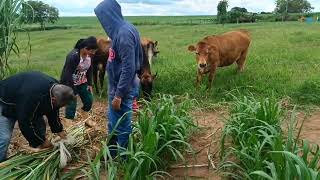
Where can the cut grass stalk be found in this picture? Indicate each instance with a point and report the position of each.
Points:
(40, 165)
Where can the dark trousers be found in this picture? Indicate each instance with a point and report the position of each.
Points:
(86, 98)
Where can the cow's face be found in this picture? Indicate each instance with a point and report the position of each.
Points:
(151, 48)
(146, 81)
(154, 47)
(202, 51)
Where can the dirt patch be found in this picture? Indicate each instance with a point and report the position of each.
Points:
(210, 122)
(311, 127)
(205, 142)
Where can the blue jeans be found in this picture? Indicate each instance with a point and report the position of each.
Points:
(124, 129)
(6, 128)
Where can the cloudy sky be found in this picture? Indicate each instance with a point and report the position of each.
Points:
(163, 7)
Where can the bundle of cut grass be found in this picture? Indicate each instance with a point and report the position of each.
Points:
(44, 164)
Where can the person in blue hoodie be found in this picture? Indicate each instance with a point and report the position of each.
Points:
(125, 56)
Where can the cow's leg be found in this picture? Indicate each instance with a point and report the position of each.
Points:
(101, 77)
(95, 77)
(211, 76)
(199, 79)
(242, 60)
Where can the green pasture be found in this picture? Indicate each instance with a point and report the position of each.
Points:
(284, 58)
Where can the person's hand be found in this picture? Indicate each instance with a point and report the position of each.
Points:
(116, 103)
(46, 145)
(62, 134)
(90, 89)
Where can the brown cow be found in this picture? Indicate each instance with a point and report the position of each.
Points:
(219, 51)
(146, 78)
(99, 61)
(150, 48)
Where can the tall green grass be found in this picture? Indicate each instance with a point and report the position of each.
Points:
(253, 145)
(159, 136)
(10, 22)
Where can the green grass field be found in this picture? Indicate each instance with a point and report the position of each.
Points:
(284, 58)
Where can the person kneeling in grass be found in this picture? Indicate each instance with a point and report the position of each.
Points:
(27, 97)
(77, 73)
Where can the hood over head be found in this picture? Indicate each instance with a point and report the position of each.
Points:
(110, 16)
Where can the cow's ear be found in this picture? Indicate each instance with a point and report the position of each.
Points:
(191, 48)
(154, 76)
(156, 43)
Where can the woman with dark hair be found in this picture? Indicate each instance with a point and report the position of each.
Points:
(77, 73)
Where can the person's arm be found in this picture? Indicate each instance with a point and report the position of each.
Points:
(54, 121)
(89, 76)
(127, 55)
(71, 65)
(26, 114)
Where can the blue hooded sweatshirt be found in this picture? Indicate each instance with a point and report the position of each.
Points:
(125, 54)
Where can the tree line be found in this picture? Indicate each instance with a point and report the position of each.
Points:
(240, 14)
(39, 12)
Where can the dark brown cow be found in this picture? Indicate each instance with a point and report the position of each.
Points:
(99, 62)
(150, 48)
(219, 51)
(146, 78)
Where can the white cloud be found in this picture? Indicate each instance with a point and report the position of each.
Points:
(164, 7)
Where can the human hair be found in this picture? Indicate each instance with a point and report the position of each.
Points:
(90, 43)
(63, 94)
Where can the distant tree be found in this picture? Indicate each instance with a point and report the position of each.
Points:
(266, 12)
(42, 13)
(299, 6)
(234, 16)
(293, 6)
(239, 9)
(236, 13)
(222, 11)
